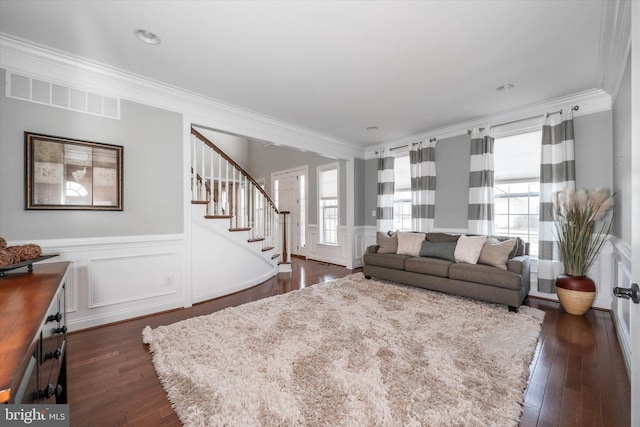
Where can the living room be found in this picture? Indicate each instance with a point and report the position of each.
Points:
(141, 260)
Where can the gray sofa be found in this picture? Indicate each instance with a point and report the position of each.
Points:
(479, 281)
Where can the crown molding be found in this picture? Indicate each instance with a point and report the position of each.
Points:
(615, 44)
(590, 102)
(36, 60)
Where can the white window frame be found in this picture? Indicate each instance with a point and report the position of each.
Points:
(531, 237)
(324, 234)
(402, 200)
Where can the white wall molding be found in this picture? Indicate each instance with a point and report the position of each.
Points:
(111, 242)
(615, 45)
(590, 102)
(60, 67)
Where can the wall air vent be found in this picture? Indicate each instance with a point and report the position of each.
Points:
(32, 89)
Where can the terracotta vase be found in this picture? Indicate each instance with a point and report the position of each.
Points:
(576, 293)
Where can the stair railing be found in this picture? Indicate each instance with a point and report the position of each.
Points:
(230, 192)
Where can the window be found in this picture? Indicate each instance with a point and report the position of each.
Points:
(402, 194)
(328, 203)
(517, 187)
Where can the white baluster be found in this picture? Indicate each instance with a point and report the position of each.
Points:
(219, 208)
(250, 211)
(194, 182)
(202, 176)
(211, 205)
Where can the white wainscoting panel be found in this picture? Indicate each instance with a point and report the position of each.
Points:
(117, 278)
(360, 242)
(334, 254)
(603, 273)
(110, 278)
(621, 306)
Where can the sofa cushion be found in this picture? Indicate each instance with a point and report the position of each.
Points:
(486, 275)
(410, 243)
(438, 250)
(496, 253)
(518, 249)
(394, 261)
(468, 248)
(442, 237)
(430, 266)
(387, 244)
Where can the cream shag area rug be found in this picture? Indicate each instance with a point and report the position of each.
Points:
(352, 352)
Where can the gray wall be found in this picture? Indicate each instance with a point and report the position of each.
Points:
(359, 188)
(594, 154)
(265, 160)
(622, 158)
(594, 150)
(153, 196)
(370, 190)
(452, 182)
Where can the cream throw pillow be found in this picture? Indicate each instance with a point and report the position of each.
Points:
(410, 243)
(496, 253)
(468, 249)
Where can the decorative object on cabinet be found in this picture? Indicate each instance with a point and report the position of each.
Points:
(12, 257)
(28, 263)
(70, 174)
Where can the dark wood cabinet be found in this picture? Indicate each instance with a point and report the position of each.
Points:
(33, 337)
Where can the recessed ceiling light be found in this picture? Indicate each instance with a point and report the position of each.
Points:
(506, 87)
(147, 37)
(372, 128)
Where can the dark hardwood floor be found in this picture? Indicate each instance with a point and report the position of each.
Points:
(577, 377)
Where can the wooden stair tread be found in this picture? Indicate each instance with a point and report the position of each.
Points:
(217, 216)
(257, 239)
(199, 202)
(267, 248)
(240, 229)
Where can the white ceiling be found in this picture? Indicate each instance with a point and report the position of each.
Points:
(337, 67)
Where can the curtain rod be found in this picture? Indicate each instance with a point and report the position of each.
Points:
(575, 108)
(406, 145)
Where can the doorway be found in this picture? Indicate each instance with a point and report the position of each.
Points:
(290, 194)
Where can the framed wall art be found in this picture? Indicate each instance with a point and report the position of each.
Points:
(69, 174)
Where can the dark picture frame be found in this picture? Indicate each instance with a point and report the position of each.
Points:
(70, 174)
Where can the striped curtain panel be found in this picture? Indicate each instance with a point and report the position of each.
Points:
(386, 179)
(557, 172)
(481, 183)
(422, 164)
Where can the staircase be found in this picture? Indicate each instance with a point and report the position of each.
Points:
(239, 238)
